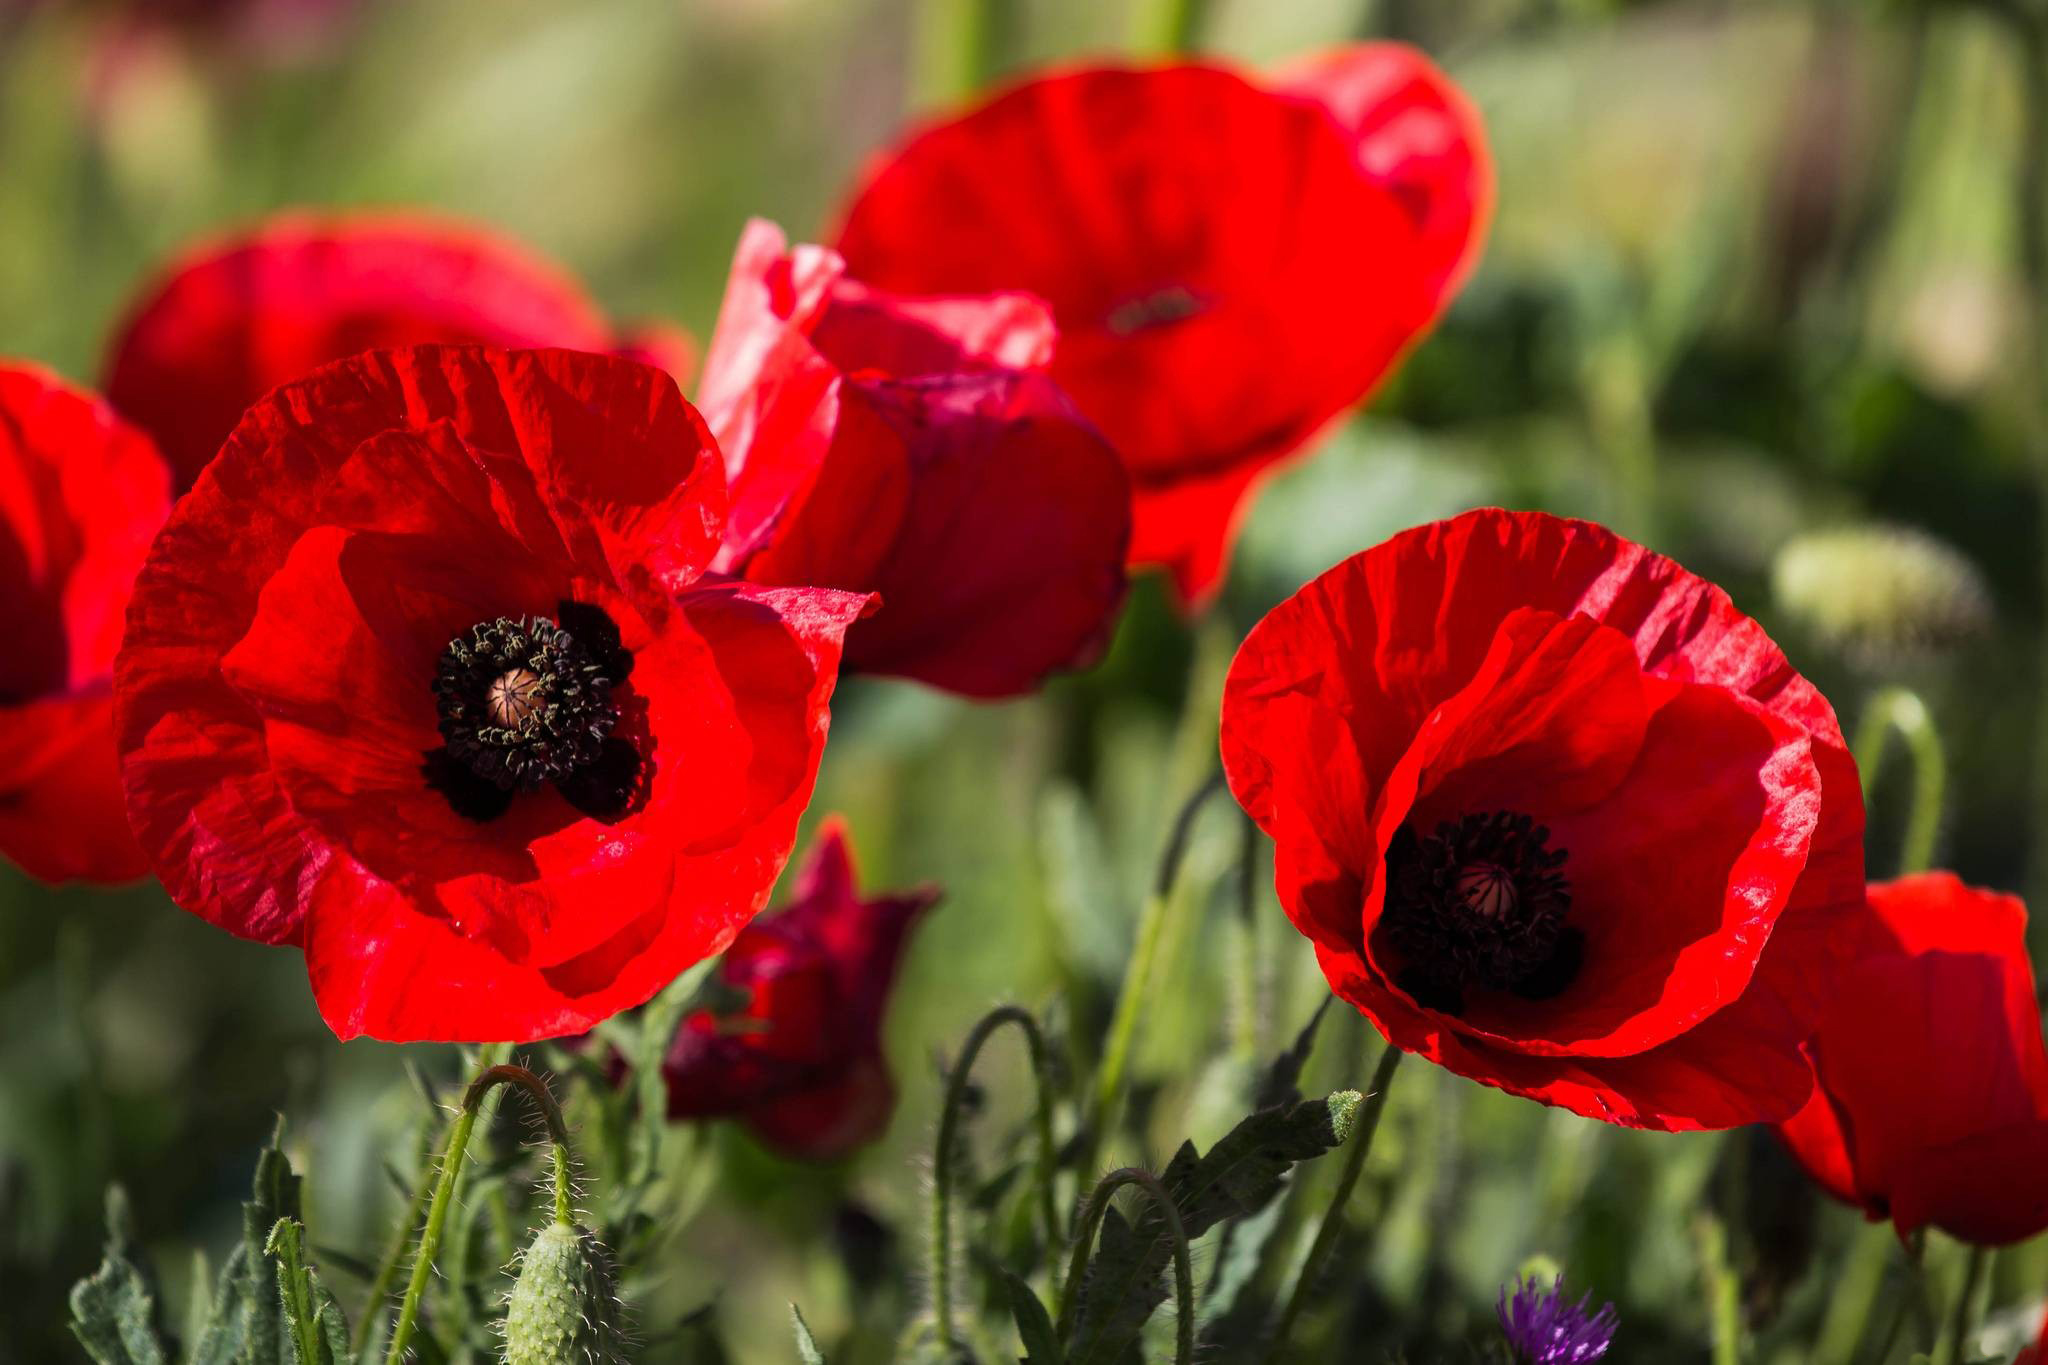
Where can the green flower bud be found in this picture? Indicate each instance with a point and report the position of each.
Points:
(564, 1308)
(1880, 594)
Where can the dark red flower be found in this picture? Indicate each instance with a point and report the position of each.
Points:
(909, 446)
(1232, 263)
(1931, 1102)
(423, 678)
(234, 318)
(791, 1041)
(81, 494)
(1555, 815)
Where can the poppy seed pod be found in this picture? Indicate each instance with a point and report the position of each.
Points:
(1880, 593)
(564, 1308)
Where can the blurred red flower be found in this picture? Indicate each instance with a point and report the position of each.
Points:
(237, 316)
(1931, 1102)
(791, 1044)
(1233, 262)
(81, 494)
(1556, 816)
(423, 678)
(911, 447)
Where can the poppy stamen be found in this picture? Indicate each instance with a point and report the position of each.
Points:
(525, 701)
(1480, 903)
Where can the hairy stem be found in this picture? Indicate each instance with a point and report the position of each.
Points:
(1090, 1223)
(1333, 1217)
(942, 1164)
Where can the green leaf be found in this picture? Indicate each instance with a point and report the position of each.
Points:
(318, 1332)
(114, 1313)
(1034, 1324)
(806, 1344)
(1281, 1085)
(227, 1326)
(1241, 1174)
(274, 1193)
(658, 1023)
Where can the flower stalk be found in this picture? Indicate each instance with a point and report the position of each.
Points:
(1900, 709)
(1090, 1223)
(1333, 1217)
(942, 1164)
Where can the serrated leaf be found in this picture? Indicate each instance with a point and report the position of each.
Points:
(1240, 1175)
(1034, 1324)
(318, 1332)
(1282, 1082)
(274, 1193)
(806, 1345)
(658, 1023)
(114, 1313)
(227, 1326)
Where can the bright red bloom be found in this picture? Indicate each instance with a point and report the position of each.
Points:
(792, 1043)
(234, 318)
(423, 678)
(1233, 263)
(1555, 815)
(81, 494)
(909, 446)
(1931, 1102)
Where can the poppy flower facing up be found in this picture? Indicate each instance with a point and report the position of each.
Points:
(423, 677)
(1931, 1095)
(236, 317)
(1233, 262)
(81, 495)
(910, 446)
(1556, 816)
(791, 1042)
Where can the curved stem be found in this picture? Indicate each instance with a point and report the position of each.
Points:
(1333, 1217)
(1090, 1223)
(1900, 709)
(493, 1075)
(1123, 1024)
(1964, 1313)
(942, 1164)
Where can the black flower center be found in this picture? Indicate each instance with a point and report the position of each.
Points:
(1480, 904)
(527, 701)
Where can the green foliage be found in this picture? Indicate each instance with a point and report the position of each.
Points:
(806, 1345)
(318, 1331)
(115, 1312)
(1034, 1324)
(1238, 1177)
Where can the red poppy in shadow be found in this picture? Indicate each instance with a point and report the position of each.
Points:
(1233, 262)
(235, 317)
(81, 494)
(1931, 1095)
(910, 446)
(1556, 816)
(424, 678)
(789, 1039)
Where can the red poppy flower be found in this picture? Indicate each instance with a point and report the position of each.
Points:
(234, 318)
(423, 678)
(1931, 1102)
(791, 1044)
(81, 493)
(1232, 264)
(909, 446)
(1556, 816)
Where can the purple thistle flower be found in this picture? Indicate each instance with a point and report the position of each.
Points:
(1545, 1329)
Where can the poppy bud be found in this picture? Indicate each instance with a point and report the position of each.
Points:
(564, 1308)
(1879, 592)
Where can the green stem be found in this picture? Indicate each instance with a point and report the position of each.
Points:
(494, 1074)
(1964, 1314)
(1900, 709)
(1136, 988)
(959, 46)
(1333, 1217)
(387, 1269)
(1090, 1223)
(1723, 1303)
(942, 1163)
(1856, 1289)
(1169, 27)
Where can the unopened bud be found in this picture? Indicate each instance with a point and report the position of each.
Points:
(564, 1308)
(1880, 593)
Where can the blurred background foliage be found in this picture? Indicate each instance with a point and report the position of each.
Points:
(1757, 273)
